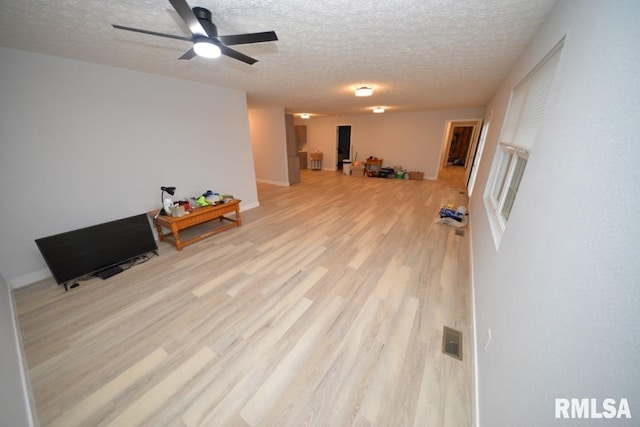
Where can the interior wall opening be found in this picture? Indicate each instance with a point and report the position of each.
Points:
(458, 147)
(343, 144)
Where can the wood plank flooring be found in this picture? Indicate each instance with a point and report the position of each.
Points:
(325, 308)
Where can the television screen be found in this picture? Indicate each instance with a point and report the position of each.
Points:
(77, 253)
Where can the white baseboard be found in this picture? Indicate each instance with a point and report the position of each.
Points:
(474, 331)
(29, 278)
(249, 206)
(268, 181)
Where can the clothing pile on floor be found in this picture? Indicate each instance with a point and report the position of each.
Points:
(453, 217)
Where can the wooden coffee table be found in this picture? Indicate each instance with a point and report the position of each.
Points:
(196, 217)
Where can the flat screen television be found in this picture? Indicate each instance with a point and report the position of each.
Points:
(75, 254)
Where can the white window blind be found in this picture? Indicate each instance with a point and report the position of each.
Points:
(528, 105)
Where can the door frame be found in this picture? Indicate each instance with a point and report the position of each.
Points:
(472, 172)
(448, 135)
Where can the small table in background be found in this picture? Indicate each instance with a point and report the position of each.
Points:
(316, 160)
(372, 165)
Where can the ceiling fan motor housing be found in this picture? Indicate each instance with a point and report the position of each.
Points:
(204, 16)
(202, 13)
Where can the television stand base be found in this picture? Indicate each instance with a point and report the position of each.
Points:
(67, 286)
(109, 272)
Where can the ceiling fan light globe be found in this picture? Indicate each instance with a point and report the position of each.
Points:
(206, 49)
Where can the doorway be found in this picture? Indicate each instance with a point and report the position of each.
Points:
(343, 144)
(460, 141)
(457, 148)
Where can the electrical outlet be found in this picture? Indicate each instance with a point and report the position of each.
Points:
(487, 338)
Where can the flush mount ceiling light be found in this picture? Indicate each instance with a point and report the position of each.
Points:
(364, 91)
(304, 116)
(205, 48)
(378, 109)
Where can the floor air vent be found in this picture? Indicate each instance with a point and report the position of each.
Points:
(452, 342)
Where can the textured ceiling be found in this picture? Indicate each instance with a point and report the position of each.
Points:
(417, 54)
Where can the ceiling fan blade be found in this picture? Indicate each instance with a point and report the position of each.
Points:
(188, 17)
(237, 55)
(153, 33)
(267, 36)
(188, 54)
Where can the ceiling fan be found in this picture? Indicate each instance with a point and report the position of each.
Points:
(204, 35)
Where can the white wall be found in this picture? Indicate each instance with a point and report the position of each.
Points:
(15, 402)
(411, 140)
(561, 294)
(82, 144)
(269, 141)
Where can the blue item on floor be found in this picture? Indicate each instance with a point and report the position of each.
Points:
(450, 213)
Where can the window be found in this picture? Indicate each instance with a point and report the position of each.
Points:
(523, 119)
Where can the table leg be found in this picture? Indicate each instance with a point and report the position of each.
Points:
(176, 236)
(160, 233)
(238, 220)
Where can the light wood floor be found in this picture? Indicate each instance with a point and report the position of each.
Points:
(325, 308)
